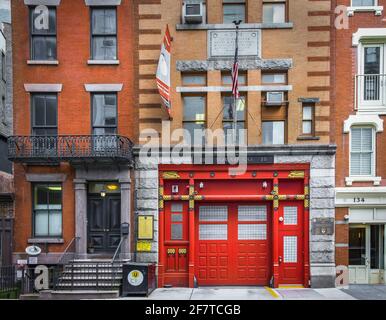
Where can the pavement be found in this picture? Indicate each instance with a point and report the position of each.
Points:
(367, 292)
(252, 293)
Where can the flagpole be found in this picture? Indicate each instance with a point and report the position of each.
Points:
(237, 24)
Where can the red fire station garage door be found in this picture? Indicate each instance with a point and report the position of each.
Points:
(233, 244)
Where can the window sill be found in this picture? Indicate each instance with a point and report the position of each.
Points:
(376, 180)
(46, 240)
(376, 9)
(303, 138)
(43, 62)
(225, 26)
(103, 62)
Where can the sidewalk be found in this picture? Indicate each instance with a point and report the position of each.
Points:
(244, 293)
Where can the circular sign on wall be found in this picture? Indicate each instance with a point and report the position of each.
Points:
(33, 250)
(135, 278)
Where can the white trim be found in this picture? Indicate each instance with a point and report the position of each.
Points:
(376, 180)
(363, 120)
(43, 87)
(103, 87)
(371, 178)
(42, 2)
(103, 62)
(102, 2)
(229, 88)
(42, 62)
(377, 10)
(362, 190)
(368, 33)
(347, 197)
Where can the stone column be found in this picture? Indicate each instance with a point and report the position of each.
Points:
(125, 215)
(81, 217)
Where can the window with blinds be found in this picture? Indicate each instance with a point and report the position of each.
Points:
(362, 152)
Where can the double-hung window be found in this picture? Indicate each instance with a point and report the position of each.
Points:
(44, 114)
(273, 132)
(233, 12)
(43, 34)
(228, 118)
(104, 33)
(47, 210)
(308, 120)
(362, 152)
(104, 114)
(274, 12)
(194, 119)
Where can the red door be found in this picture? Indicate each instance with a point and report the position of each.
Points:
(291, 248)
(176, 244)
(232, 244)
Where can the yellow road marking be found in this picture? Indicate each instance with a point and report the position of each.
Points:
(272, 292)
(291, 287)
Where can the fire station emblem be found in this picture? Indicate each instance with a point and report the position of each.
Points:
(135, 278)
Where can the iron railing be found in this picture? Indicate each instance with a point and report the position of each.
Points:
(370, 90)
(69, 253)
(70, 148)
(8, 279)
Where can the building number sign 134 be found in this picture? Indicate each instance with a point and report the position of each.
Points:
(359, 200)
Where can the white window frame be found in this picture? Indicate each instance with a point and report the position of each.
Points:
(372, 176)
(375, 106)
(375, 8)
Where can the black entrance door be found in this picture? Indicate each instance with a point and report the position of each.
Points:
(104, 222)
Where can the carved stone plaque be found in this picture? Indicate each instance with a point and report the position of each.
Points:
(323, 226)
(221, 43)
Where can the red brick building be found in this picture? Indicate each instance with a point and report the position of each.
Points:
(360, 109)
(73, 121)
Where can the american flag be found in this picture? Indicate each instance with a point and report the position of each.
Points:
(235, 75)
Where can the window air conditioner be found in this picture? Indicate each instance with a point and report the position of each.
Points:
(275, 98)
(193, 12)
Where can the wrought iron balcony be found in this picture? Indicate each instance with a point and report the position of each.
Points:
(370, 91)
(46, 149)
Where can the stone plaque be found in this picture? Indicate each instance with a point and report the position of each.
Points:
(323, 226)
(221, 43)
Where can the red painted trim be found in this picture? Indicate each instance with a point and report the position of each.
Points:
(275, 242)
(161, 244)
(217, 168)
(192, 243)
(306, 242)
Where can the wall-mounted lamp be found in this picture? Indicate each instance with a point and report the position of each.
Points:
(103, 193)
(265, 185)
(201, 185)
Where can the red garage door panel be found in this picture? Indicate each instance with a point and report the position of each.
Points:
(233, 244)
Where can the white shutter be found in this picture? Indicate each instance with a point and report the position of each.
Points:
(362, 152)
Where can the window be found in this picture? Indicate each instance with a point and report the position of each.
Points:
(274, 13)
(104, 114)
(362, 152)
(43, 37)
(47, 210)
(228, 102)
(2, 111)
(194, 79)
(44, 114)
(233, 12)
(227, 79)
(363, 3)
(274, 78)
(308, 120)
(273, 132)
(104, 33)
(194, 119)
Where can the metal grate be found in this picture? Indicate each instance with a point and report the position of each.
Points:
(213, 213)
(290, 215)
(213, 232)
(6, 209)
(290, 249)
(176, 231)
(177, 217)
(252, 213)
(252, 232)
(176, 207)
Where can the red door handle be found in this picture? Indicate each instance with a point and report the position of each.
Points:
(280, 259)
